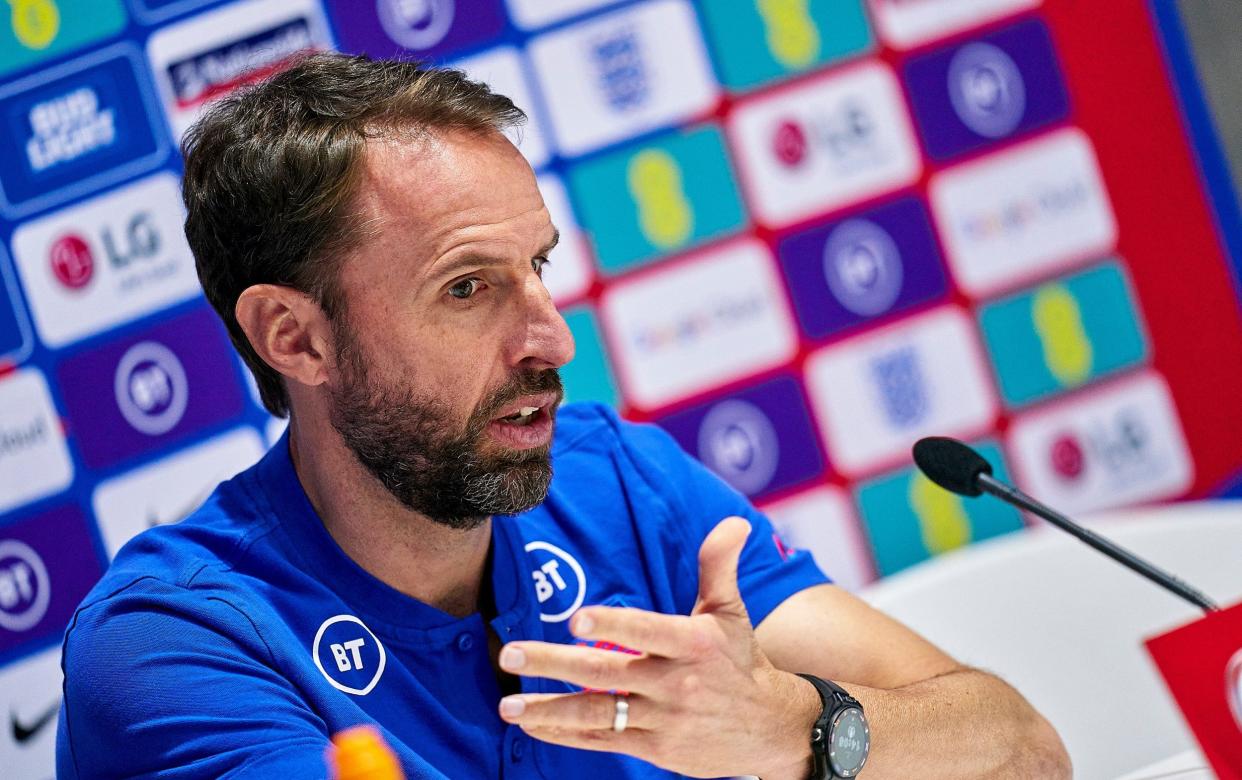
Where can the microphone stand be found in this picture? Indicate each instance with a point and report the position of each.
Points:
(1162, 578)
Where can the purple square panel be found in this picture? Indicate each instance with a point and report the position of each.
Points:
(1002, 85)
(47, 565)
(428, 29)
(150, 390)
(861, 267)
(759, 440)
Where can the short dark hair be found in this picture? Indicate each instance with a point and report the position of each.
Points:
(271, 172)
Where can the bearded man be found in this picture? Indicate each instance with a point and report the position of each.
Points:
(402, 557)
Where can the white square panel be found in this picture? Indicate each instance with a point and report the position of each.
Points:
(878, 393)
(624, 73)
(822, 521)
(1023, 213)
(112, 259)
(503, 70)
(1116, 445)
(569, 274)
(682, 329)
(907, 23)
(34, 459)
(171, 488)
(823, 144)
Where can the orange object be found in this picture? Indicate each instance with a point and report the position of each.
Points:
(360, 753)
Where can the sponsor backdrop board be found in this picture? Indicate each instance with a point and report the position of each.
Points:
(796, 235)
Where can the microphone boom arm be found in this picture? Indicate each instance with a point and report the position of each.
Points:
(1124, 557)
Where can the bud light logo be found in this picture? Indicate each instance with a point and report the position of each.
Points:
(74, 129)
(25, 588)
(151, 388)
(67, 127)
(986, 90)
(863, 267)
(71, 261)
(558, 580)
(738, 442)
(349, 655)
(415, 24)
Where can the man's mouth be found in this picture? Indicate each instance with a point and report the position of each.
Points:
(524, 416)
(527, 421)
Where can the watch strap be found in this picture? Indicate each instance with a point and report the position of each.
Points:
(834, 698)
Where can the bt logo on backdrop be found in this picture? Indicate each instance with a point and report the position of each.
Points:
(151, 388)
(25, 588)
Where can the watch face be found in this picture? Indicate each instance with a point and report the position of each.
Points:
(849, 740)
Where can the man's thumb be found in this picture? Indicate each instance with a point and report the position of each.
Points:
(718, 558)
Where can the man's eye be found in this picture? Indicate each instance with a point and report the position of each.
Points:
(464, 289)
(538, 264)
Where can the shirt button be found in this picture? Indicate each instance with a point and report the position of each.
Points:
(465, 643)
(517, 748)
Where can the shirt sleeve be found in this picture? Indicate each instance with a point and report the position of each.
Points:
(769, 571)
(168, 682)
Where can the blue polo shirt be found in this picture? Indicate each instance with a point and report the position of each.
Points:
(235, 642)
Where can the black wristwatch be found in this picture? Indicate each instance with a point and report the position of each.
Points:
(841, 739)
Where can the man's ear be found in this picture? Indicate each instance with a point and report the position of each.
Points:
(288, 330)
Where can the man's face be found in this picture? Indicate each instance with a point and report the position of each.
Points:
(446, 352)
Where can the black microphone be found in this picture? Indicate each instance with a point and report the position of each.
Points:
(959, 469)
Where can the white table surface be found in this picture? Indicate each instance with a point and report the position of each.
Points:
(1184, 766)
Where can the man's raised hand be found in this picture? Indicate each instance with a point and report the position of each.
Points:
(703, 699)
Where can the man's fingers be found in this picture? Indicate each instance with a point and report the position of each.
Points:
(718, 558)
(632, 742)
(637, 630)
(573, 711)
(587, 667)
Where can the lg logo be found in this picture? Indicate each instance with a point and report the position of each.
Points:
(355, 655)
(560, 582)
(25, 588)
(73, 262)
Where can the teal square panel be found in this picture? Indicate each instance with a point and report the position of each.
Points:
(758, 41)
(909, 519)
(588, 376)
(1063, 334)
(653, 199)
(33, 31)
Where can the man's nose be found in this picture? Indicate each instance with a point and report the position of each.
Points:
(548, 342)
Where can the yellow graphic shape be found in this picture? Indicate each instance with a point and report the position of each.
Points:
(942, 519)
(34, 22)
(1058, 321)
(792, 35)
(664, 213)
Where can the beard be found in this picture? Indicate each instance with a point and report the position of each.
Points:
(430, 462)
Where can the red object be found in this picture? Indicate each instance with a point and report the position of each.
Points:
(1202, 666)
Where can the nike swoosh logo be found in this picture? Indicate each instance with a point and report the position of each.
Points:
(23, 733)
(154, 519)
